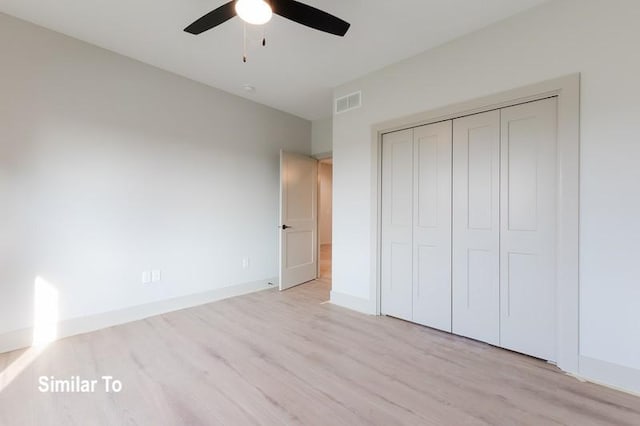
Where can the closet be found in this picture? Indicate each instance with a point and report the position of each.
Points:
(469, 226)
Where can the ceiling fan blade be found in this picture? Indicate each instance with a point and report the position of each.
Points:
(310, 16)
(213, 18)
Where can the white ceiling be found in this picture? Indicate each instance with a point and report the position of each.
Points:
(300, 66)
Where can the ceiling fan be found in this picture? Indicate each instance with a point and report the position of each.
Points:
(259, 12)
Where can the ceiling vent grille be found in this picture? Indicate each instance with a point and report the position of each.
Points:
(348, 102)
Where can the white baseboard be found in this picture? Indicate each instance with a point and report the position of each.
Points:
(619, 377)
(20, 339)
(352, 302)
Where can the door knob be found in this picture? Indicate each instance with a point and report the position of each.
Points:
(285, 227)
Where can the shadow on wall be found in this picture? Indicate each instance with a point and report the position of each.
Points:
(45, 330)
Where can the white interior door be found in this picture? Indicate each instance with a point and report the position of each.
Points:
(476, 226)
(528, 234)
(432, 225)
(397, 225)
(298, 219)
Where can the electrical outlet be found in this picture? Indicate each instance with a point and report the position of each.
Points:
(156, 276)
(146, 277)
(245, 263)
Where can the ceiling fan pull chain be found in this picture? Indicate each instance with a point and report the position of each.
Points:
(244, 42)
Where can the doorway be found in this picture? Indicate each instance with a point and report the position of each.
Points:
(325, 218)
(306, 193)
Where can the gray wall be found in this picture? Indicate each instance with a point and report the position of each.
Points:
(109, 167)
(322, 136)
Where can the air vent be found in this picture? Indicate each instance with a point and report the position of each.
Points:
(349, 102)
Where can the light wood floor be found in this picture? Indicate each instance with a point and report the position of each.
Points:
(287, 358)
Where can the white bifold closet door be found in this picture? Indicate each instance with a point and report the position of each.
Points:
(397, 225)
(504, 227)
(528, 228)
(469, 226)
(476, 227)
(432, 226)
(416, 225)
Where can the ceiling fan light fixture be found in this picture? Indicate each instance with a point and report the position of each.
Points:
(255, 12)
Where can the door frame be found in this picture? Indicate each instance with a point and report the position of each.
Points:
(320, 157)
(567, 91)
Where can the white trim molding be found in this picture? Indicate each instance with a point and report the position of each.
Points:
(615, 376)
(23, 338)
(567, 90)
(352, 302)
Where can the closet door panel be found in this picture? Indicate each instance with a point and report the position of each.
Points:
(476, 227)
(432, 226)
(528, 234)
(397, 225)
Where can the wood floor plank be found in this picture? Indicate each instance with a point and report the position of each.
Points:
(272, 358)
